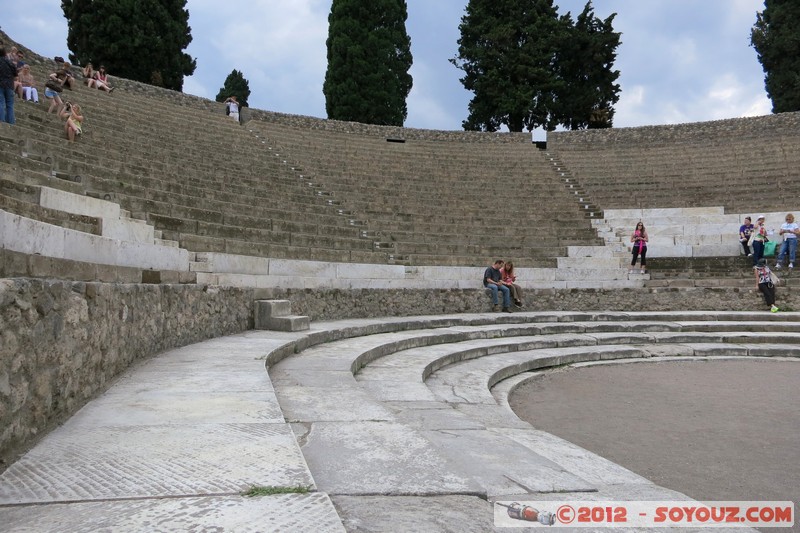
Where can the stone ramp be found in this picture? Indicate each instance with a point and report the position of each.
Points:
(396, 424)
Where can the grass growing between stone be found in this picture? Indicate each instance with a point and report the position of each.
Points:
(270, 491)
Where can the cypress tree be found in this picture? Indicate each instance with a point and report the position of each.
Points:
(507, 52)
(141, 40)
(776, 39)
(529, 68)
(235, 84)
(369, 56)
(587, 90)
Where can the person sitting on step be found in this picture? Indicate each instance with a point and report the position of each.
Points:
(74, 123)
(101, 80)
(509, 279)
(29, 91)
(765, 282)
(493, 280)
(745, 230)
(88, 75)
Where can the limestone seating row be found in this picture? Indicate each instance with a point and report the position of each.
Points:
(320, 139)
(48, 139)
(149, 192)
(179, 170)
(403, 393)
(539, 273)
(721, 180)
(74, 211)
(23, 200)
(368, 209)
(458, 165)
(199, 243)
(28, 236)
(682, 232)
(172, 217)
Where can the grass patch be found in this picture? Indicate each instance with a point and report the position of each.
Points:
(269, 491)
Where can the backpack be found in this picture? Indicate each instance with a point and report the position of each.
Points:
(227, 109)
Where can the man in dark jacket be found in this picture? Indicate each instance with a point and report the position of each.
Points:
(492, 280)
(8, 71)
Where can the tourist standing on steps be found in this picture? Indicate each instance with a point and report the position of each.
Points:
(232, 107)
(789, 230)
(8, 73)
(745, 230)
(765, 282)
(492, 280)
(639, 248)
(758, 238)
(508, 279)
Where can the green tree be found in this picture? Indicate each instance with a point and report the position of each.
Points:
(776, 38)
(369, 56)
(235, 84)
(141, 40)
(529, 68)
(507, 52)
(587, 90)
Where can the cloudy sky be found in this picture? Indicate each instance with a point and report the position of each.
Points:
(680, 60)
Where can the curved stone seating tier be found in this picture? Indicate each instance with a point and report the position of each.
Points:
(415, 186)
(392, 421)
(745, 164)
(427, 396)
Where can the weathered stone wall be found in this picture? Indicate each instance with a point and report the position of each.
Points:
(63, 342)
(333, 304)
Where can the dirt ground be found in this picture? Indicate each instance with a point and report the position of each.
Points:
(713, 430)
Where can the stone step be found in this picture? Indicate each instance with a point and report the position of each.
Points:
(276, 315)
(433, 379)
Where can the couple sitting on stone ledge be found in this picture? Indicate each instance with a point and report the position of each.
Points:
(500, 277)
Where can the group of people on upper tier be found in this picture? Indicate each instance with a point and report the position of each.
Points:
(17, 80)
(755, 238)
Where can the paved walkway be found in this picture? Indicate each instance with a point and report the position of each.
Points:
(395, 424)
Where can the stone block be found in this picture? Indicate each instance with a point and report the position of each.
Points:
(276, 315)
(77, 204)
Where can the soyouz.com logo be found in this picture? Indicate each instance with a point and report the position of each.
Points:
(643, 514)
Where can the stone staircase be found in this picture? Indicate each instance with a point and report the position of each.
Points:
(589, 208)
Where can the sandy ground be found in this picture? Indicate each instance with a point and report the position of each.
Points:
(713, 430)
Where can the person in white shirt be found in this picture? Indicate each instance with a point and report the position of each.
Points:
(789, 231)
(233, 107)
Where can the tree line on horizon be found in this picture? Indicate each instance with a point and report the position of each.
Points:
(526, 65)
